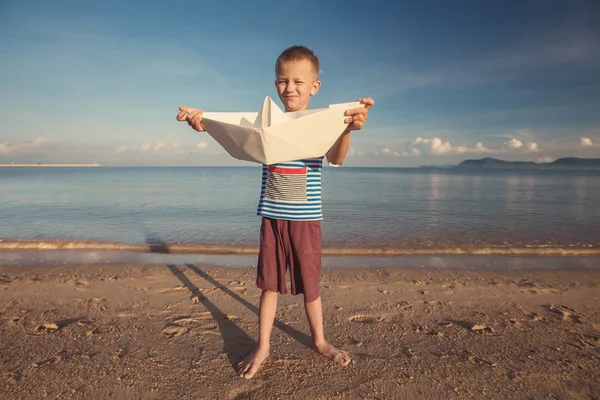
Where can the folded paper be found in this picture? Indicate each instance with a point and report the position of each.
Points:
(271, 136)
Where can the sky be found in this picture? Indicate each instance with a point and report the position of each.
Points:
(84, 82)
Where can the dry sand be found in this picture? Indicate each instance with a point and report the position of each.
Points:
(175, 332)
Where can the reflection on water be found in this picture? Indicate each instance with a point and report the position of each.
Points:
(434, 189)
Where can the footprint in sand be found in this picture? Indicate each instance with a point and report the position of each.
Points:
(81, 285)
(535, 317)
(482, 329)
(428, 331)
(365, 319)
(177, 288)
(567, 314)
(404, 305)
(51, 327)
(97, 304)
(46, 328)
(184, 319)
(449, 288)
(529, 286)
(587, 340)
(168, 306)
(175, 330)
(5, 279)
(203, 323)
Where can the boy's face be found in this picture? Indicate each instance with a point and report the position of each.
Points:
(296, 82)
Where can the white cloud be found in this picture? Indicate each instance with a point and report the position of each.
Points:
(202, 145)
(146, 146)
(532, 147)
(7, 149)
(514, 143)
(412, 151)
(481, 148)
(157, 148)
(386, 151)
(516, 136)
(438, 147)
(585, 142)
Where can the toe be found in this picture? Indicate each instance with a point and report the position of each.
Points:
(250, 373)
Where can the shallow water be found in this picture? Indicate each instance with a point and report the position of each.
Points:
(397, 210)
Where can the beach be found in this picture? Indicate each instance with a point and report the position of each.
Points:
(166, 331)
(139, 283)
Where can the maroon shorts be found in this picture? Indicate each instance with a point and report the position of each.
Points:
(290, 244)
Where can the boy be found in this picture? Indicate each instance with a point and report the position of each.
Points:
(290, 207)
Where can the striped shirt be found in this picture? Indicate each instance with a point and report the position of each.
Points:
(292, 190)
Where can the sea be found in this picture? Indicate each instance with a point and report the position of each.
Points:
(372, 216)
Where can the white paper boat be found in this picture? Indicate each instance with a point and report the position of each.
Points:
(271, 136)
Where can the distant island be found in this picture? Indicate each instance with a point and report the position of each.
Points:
(13, 165)
(561, 163)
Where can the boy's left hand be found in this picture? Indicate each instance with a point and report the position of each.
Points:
(357, 117)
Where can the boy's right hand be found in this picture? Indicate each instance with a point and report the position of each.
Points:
(192, 116)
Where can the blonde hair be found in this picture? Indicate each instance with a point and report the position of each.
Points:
(298, 53)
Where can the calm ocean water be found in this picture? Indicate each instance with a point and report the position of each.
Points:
(364, 208)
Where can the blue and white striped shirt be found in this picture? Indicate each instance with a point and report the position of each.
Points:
(292, 190)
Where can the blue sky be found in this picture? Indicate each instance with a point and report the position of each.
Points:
(101, 82)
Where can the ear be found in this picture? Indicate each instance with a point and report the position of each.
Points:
(315, 87)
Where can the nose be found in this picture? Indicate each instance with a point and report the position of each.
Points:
(289, 88)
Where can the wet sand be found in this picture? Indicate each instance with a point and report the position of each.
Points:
(176, 332)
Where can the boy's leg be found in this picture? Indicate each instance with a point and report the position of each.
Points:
(314, 313)
(270, 277)
(268, 308)
(305, 273)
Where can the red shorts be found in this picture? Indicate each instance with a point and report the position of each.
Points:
(290, 244)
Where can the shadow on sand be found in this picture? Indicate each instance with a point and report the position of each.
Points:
(237, 343)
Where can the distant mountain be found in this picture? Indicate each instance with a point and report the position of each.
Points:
(563, 163)
(577, 162)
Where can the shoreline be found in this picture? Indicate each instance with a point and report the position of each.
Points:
(108, 258)
(8, 244)
(49, 165)
(175, 332)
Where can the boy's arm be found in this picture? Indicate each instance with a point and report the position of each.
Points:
(338, 151)
(356, 120)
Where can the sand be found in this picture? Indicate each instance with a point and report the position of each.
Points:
(175, 332)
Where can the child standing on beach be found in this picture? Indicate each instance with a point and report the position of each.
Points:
(290, 207)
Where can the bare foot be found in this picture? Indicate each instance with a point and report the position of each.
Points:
(249, 365)
(339, 356)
